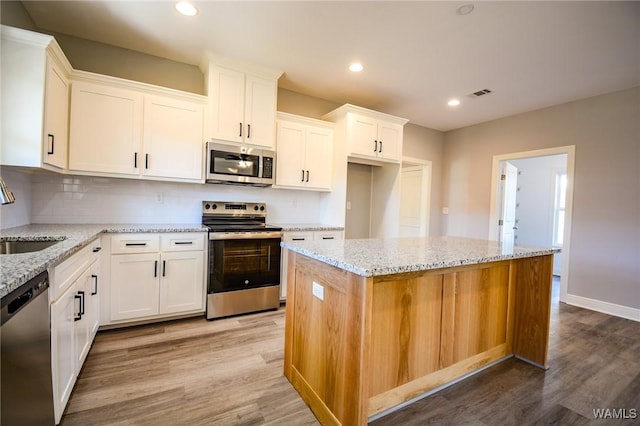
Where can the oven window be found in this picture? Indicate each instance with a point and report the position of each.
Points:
(243, 264)
(228, 163)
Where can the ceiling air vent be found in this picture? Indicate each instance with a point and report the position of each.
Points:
(480, 93)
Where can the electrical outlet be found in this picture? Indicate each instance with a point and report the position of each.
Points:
(445, 210)
(348, 205)
(160, 198)
(318, 290)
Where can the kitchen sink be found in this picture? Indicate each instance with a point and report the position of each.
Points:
(13, 247)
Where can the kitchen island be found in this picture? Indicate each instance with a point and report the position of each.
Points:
(373, 324)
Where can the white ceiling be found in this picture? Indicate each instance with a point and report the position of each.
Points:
(416, 54)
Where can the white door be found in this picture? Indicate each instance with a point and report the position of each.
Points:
(509, 180)
(56, 117)
(291, 146)
(413, 202)
(181, 282)
(319, 158)
(173, 138)
(260, 112)
(63, 338)
(134, 285)
(106, 129)
(363, 137)
(389, 141)
(228, 105)
(83, 325)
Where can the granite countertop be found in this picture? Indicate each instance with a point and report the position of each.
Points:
(16, 269)
(307, 227)
(375, 257)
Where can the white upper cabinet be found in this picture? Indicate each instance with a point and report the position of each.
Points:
(56, 118)
(106, 129)
(35, 100)
(304, 152)
(370, 136)
(173, 142)
(124, 129)
(242, 102)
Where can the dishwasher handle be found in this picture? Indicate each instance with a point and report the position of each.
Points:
(22, 296)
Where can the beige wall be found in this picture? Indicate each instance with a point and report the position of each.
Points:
(111, 60)
(605, 238)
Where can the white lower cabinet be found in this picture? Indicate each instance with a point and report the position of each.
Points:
(74, 319)
(156, 275)
(293, 236)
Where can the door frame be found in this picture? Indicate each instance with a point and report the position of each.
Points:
(570, 151)
(427, 166)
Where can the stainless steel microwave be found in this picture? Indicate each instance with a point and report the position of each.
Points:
(240, 165)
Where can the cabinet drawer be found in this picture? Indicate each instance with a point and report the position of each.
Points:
(297, 236)
(65, 273)
(135, 243)
(327, 235)
(193, 241)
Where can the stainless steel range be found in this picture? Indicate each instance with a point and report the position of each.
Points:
(244, 259)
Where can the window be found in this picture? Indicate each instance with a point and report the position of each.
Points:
(559, 208)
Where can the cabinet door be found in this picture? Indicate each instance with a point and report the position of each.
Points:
(228, 104)
(106, 129)
(83, 323)
(56, 135)
(319, 158)
(63, 359)
(390, 141)
(172, 138)
(93, 298)
(364, 136)
(182, 282)
(260, 111)
(291, 158)
(134, 285)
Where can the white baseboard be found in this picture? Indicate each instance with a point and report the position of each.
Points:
(604, 307)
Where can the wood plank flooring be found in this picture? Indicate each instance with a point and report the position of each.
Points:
(229, 372)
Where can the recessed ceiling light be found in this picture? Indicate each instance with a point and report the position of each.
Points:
(465, 9)
(453, 102)
(186, 8)
(356, 67)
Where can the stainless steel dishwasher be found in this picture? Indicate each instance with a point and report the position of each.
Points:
(26, 396)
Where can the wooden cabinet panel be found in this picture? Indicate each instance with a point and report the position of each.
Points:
(475, 312)
(533, 298)
(405, 331)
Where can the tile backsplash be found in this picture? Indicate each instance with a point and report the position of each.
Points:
(85, 199)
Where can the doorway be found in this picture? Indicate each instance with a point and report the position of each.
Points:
(536, 186)
(415, 194)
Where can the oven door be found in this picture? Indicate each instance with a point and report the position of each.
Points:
(243, 263)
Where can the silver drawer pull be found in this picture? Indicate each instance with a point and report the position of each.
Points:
(183, 242)
(135, 244)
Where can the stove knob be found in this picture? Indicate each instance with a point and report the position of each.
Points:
(207, 206)
(261, 208)
(215, 206)
(255, 207)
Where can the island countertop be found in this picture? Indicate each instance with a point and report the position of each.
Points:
(16, 269)
(376, 257)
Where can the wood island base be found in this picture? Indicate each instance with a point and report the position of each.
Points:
(358, 346)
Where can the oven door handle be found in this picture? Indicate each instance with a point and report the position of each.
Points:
(244, 235)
